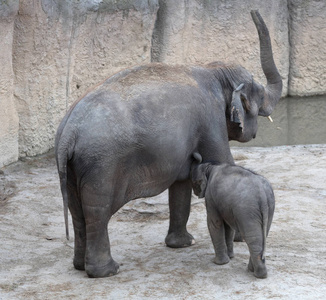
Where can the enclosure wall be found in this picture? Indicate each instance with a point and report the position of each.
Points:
(52, 52)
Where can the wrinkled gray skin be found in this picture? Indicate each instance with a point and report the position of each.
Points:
(236, 199)
(133, 136)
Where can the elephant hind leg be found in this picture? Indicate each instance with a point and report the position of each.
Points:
(80, 244)
(216, 227)
(229, 236)
(78, 219)
(98, 259)
(256, 261)
(257, 266)
(99, 262)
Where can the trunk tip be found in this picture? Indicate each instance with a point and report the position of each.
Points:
(256, 17)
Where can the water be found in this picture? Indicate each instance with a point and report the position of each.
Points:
(297, 120)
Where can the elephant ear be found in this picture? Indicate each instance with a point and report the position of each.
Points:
(199, 179)
(199, 187)
(237, 110)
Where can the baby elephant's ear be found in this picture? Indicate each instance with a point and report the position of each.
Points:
(203, 186)
(199, 180)
(237, 111)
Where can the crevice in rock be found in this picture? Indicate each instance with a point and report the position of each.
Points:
(290, 21)
(72, 34)
(158, 32)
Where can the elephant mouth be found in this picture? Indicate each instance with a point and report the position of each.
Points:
(244, 137)
(236, 133)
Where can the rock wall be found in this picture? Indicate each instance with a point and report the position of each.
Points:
(205, 31)
(8, 113)
(53, 51)
(62, 48)
(308, 47)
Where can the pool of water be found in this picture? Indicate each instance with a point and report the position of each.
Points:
(296, 120)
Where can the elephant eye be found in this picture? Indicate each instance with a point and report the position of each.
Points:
(245, 103)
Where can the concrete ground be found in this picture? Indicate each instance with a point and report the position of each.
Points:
(36, 260)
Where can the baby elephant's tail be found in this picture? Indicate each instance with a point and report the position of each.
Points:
(265, 231)
(268, 212)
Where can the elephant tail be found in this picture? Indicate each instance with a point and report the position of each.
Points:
(267, 212)
(64, 149)
(63, 186)
(265, 222)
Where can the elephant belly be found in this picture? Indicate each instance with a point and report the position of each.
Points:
(127, 178)
(148, 181)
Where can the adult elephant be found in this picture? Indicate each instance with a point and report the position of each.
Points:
(134, 135)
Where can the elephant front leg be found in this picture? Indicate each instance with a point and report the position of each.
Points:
(179, 204)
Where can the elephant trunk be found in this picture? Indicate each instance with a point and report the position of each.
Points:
(273, 90)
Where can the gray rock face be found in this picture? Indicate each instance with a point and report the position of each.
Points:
(52, 52)
(61, 51)
(8, 114)
(204, 31)
(308, 47)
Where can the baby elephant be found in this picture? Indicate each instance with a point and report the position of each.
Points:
(236, 199)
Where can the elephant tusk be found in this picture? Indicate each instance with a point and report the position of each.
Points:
(270, 118)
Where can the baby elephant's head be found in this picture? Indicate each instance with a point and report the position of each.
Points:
(199, 176)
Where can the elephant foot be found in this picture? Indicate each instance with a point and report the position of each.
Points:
(259, 272)
(261, 275)
(110, 269)
(179, 240)
(222, 260)
(79, 259)
(79, 264)
(230, 254)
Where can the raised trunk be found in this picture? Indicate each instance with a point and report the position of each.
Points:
(273, 89)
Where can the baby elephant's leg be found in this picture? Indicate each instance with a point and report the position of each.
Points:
(229, 236)
(257, 265)
(217, 231)
(256, 261)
